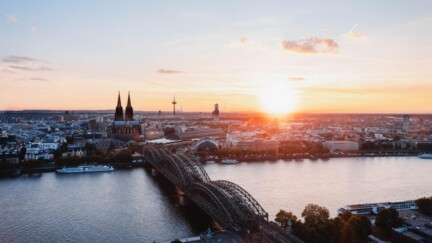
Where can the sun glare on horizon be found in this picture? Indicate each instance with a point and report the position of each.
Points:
(278, 99)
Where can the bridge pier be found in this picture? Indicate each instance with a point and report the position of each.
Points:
(184, 200)
(155, 172)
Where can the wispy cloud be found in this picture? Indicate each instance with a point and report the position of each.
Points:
(355, 35)
(28, 64)
(10, 18)
(295, 78)
(311, 45)
(168, 71)
(18, 59)
(39, 79)
(27, 68)
(352, 34)
(7, 71)
(339, 90)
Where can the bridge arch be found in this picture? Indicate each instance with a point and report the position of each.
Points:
(155, 155)
(227, 203)
(173, 170)
(180, 169)
(195, 166)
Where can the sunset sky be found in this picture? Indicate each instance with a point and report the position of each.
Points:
(329, 56)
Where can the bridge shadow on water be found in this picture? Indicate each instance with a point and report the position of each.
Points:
(198, 220)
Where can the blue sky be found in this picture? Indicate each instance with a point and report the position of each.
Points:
(346, 55)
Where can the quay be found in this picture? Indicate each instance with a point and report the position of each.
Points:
(212, 237)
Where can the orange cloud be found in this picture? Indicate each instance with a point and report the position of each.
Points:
(167, 71)
(244, 41)
(340, 90)
(311, 45)
(355, 35)
(295, 78)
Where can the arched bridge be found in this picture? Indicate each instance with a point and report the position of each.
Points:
(226, 202)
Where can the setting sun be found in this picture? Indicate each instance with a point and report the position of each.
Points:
(278, 99)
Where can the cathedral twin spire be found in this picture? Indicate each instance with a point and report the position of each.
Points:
(119, 110)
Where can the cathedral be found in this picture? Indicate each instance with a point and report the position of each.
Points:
(125, 128)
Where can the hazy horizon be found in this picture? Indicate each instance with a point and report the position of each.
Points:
(178, 112)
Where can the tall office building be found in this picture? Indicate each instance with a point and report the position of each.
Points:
(215, 113)
(406, 123)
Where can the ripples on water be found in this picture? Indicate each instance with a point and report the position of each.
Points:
(291, 185)
(133, 206)
(122, 206)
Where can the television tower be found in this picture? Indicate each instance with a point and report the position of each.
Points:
(174, 103)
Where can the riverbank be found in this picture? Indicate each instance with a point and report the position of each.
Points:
(18, 171)
(301, 156)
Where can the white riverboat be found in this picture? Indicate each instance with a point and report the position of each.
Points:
(86, 169)
(425, 156)
(374, 208)
(229, 161)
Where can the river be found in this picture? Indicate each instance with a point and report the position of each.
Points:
(133, 206)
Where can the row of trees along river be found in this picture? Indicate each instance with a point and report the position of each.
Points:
(318, 227)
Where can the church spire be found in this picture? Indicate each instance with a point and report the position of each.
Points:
(129, 102)
(129, 110)
(118, 116)
(119, 100)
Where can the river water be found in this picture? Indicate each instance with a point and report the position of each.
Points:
(133, 206)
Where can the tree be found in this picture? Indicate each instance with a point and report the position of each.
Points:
(424, 205)
(282, 217)
(22, 153)
(88, 147)
(314, 214)
(387, 219)
(347, 234)
(123, 157)
(346, 215)
(361, 225)
(317, 226)
(32, 163)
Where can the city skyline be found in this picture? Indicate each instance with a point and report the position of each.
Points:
(77, 56)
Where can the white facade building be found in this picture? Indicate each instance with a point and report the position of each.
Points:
(341, 145)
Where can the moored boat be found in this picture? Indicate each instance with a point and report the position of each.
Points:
(229, 161)
(86, 169)
(374, 208)
(425, 156)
